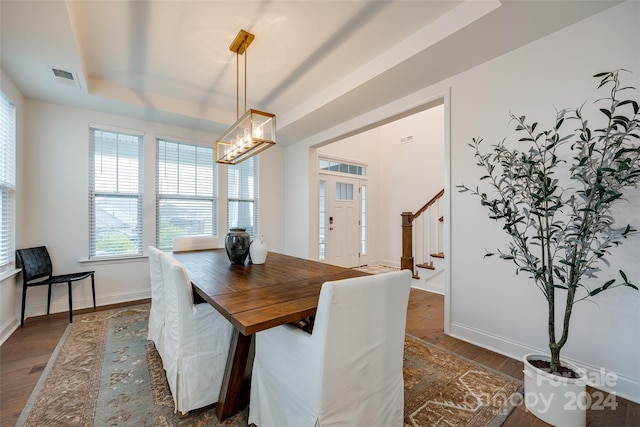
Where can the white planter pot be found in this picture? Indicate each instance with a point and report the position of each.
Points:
(556, 400)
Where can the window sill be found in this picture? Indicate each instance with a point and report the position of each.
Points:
(114, 260)
(9, 273)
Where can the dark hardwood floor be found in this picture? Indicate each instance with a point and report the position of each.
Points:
(425, 320)
(24, 356)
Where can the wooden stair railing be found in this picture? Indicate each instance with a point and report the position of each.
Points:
(407, 261)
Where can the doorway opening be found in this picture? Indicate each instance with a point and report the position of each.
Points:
(405, 166)
(391, 149)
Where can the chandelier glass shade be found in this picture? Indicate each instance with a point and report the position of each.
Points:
(255, 131)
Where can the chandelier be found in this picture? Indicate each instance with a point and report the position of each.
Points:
(255, 131)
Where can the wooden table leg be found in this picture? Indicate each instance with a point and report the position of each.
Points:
(231, 393)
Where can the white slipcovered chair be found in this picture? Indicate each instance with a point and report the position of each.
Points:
(156, 313)
(196, 342)
(348, 372)
(195, 243)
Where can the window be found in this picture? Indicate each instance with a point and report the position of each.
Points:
(7, 182)
(344, 191)
(322, 216)
(363, 220)
(115, 193)
(348, 168)
(186, 192)
(242, 190)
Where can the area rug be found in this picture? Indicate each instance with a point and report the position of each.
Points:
(376, 268)
(104, 372)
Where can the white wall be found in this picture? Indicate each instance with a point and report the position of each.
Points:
(401, 177)
(488, 304)
(9, 290)
(555, 71)
(412, 173)
(55, 208)
(271, 220)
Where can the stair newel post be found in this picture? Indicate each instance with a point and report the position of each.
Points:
(406, 262)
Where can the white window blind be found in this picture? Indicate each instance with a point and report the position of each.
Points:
(115, 193)
(7, 182)
(187, 188)
(242, 191)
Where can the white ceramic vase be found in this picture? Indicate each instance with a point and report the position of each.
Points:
(258, 250)
(556, 400)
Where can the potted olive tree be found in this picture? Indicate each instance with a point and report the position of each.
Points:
(554, 192)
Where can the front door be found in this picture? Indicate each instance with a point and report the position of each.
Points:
(342, 221)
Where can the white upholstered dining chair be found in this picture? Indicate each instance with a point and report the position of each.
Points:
(348, 372)
(156, 313)
(196, 342)
(195, 243)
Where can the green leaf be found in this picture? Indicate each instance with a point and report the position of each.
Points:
(612, 198)
(624, 276)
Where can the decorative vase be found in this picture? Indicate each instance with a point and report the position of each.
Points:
(237, 242)
(557, 400)
(258, 250)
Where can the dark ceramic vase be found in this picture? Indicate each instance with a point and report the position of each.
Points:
(237, 243)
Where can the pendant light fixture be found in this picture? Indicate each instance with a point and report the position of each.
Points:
(255, 130)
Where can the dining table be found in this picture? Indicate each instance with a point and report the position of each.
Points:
(254, 297)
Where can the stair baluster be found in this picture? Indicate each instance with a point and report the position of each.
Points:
(424, 230)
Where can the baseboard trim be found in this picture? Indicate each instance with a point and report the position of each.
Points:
(600, 378)
(62, 305)
(429, 287)
(8, 328)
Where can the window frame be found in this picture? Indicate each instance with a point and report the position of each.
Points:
(115, 195)
(8, 125)
(160, 196)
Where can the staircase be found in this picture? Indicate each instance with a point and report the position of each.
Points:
(423, 245)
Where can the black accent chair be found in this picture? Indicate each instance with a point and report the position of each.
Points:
(36, 264)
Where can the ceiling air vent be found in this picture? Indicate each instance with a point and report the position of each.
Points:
(66, 78)
(63, 74)
(406, 139)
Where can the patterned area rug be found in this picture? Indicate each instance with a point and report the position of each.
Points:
(444, 389)
(376, 268)
(104, 372)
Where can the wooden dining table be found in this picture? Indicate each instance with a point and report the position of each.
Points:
(255, 297)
